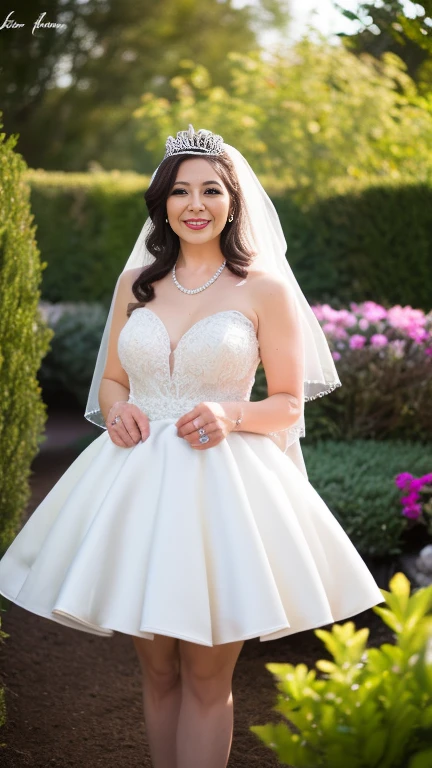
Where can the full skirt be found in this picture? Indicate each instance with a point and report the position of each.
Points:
(212, 546)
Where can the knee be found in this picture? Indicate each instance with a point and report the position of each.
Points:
(209, 686)
(161, 677)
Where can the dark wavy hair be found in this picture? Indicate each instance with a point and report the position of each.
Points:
(163, 243)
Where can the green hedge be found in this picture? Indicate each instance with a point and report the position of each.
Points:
(24, 340)
(363, 241)
(87, 227)
(356, 480)
(358, 241)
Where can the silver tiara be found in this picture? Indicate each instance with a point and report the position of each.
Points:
(191, 142)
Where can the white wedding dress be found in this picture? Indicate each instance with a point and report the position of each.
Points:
(212, 546)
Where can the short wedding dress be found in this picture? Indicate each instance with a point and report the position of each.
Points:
(212, 546)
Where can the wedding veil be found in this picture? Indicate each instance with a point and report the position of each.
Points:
(267, 239)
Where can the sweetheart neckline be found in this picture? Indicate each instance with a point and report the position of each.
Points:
(202, 319)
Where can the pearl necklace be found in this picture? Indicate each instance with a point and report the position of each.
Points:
(202, 288)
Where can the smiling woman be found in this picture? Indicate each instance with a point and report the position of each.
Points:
(191, 517)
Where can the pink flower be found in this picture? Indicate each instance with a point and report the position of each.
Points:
(357, 341)
(413, 512)
(336, 355)
(373, 312)
(379, 340)
(329, 328)
(405, 318)
(363, 324)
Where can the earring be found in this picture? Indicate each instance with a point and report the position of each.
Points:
(231, 217)
(166, 221)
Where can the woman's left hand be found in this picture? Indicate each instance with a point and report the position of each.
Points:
(213, 417)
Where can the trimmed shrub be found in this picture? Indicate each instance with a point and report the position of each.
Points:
(24, 339)
(356, 480)
(98, 217)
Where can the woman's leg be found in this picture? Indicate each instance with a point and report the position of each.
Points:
(160, 665)
(205, 725)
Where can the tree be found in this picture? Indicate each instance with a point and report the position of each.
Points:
(69, 94)
(386, 27)
(305, 115)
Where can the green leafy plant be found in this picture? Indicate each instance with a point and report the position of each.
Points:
(372, 707)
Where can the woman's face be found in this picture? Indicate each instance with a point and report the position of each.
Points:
(198, 193)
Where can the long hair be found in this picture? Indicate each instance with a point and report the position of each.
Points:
(163, 243)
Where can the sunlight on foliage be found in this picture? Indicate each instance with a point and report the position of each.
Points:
(370, 708)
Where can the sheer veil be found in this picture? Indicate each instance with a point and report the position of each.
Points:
(267, 238)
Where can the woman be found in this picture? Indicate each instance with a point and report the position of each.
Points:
(190, 523)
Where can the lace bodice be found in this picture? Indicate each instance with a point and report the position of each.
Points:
(215, 360)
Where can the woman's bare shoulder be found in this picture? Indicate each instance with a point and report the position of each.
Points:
(264, 284)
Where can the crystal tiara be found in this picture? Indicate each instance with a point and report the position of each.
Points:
(191, 142)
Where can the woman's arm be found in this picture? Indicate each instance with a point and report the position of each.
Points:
(114, 387)
(282, 354)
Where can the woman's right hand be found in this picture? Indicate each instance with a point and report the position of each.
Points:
(132, 426)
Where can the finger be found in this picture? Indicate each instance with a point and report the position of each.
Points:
(143, 423)
(187, 417)
(194, 436)
(116, 438)
(130, 427)
(193, 425)
(122, 433)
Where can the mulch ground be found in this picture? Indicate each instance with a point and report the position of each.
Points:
(74, 699)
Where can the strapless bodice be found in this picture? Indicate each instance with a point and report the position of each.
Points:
(215, 360)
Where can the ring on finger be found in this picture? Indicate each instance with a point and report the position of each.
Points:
(117, 418)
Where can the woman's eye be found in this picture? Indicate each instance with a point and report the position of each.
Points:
(209, 189)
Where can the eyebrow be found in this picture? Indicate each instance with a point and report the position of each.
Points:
(204, 182)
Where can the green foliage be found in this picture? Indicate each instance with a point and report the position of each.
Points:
(356, 480)
(98, 218)
(24, 339)
(3, 636)
(69, 365)
(384, 26)
(110, 53)
(304, 114)
(371, 708)
(368, 240)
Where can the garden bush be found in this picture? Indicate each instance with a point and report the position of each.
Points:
(357, 481)
(384, 361)
(371, 707)
(24, 339)
(355, 241)
(69, 366)
(98, 217)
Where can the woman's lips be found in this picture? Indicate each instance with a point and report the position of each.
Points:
(196, 225)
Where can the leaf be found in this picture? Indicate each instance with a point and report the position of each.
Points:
(421, 760)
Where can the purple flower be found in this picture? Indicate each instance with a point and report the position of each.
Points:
(413, 511)
(410, 499)
(403, 479)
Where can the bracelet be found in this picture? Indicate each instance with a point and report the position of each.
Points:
(239, 420)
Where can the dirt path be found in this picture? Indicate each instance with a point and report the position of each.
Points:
(74, 699)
